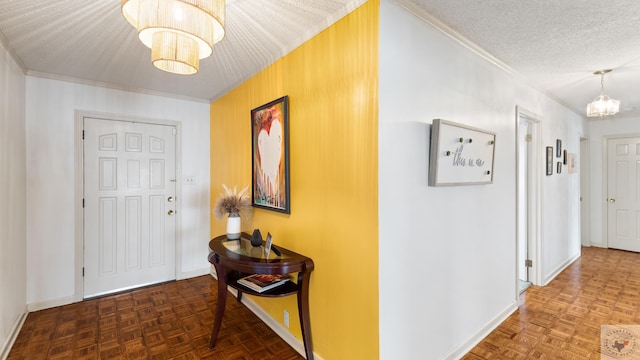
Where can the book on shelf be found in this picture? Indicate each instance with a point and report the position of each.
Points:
(263, 282)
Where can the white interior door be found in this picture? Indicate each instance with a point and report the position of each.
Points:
(528, 199)
(129, 205)
(623, 203)
(524, 141)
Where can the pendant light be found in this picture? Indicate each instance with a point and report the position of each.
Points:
(603, 105)
(178, 32)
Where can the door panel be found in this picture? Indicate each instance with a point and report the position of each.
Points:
(129, 232)
(623, 200)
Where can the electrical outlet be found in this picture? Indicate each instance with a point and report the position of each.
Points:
(286, 318)
(189, 180)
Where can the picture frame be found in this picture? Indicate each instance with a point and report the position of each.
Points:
(559, 167)
(267, 246)
(549, 160)
(460, 154)
(564, 157)
(558, 148)
(571, 162)
(270, 185)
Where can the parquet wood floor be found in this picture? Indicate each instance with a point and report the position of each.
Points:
(167, 321)
(562, 320)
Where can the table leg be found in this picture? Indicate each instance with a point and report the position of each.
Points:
(303, 312)
(222, 301)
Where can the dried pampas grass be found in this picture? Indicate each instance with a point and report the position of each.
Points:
(233, 202)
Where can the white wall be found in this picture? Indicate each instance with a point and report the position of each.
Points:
(13, 238)
(50, 114)
(599, 131)
(448, 254)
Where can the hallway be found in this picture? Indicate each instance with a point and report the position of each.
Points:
(562, 320)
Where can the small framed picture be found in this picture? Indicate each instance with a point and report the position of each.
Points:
(267, 246)
(571, 162)
(559, 167)
(549, 160)
(564, 157)
(558, 148)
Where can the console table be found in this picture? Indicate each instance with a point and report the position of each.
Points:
(234, 259)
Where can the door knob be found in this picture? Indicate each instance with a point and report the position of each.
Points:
(170, 199)
(612, 200)
(170, 212)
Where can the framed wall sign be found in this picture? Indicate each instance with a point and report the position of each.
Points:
(270, 156)
(460, 154)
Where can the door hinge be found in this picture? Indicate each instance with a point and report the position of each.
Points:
(528, 138)
(82, 134)
(528, 263)
(83, 271)
(82, 203)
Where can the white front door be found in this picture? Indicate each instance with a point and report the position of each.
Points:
(623, 185)
(129, 205)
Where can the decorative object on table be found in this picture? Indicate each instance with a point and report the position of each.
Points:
(559, 167)
(234, 226)
(270, 156)
(256, 238)
(268, 247)
(558, 148)
(263, 282)
(603, 105)
(235, 205)
(549, 160)
(460, 154)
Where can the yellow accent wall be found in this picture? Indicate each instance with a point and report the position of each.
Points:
(332, 84)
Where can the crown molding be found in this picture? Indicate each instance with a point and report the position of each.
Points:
(423, 15)
(12, 53)
(107, 85)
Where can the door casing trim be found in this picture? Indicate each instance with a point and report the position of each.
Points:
(78, 294)
(534, 208)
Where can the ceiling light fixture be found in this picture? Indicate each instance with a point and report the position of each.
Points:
(602, 105)
(178, 32)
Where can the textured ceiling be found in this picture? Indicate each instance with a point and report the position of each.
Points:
(554, 45)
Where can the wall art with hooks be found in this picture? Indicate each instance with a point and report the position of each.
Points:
(460, 154)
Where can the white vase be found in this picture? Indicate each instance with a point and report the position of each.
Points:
(233, 226)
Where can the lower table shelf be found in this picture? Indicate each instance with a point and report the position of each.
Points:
(288, 288)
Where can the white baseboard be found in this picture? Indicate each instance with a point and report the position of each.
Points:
(560, 268)
(599, 245)
(192, 273)
(477, 338)
(293, 341)
(51, 303)
(5, 349)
